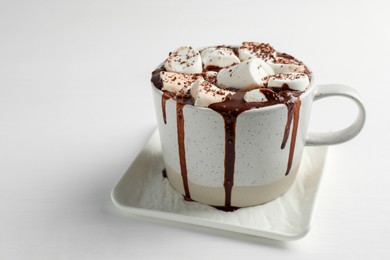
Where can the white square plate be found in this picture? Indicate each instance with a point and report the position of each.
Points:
(144, 191)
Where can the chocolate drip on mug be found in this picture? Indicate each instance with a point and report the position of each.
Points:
(182, 152)
(164, 99)
(230, 119)
(230, 109)
(156, 78)
(290, 109)
(164, 173)
(293, 104)
(230, 155)
(297, 106)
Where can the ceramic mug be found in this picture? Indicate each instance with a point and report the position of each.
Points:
(194, 147)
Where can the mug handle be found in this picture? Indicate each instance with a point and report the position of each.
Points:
(343, 135)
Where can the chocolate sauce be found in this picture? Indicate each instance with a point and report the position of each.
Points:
(226, 208)
(235, 50)
(230, 109)
(290, 109)
(164, 98)
(156, 78)
(230, 119)
(182, 153)
(164, 173)
(297, 106)
(212, 68)
(285, 55)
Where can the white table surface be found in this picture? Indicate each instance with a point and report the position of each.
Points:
(76, 108)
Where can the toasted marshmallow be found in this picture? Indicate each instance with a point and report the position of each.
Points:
(177, 83)
(248, 74)
(211, 76)
(249, 50)
(220, 57)
(295, 81)
(255, 95)
(184, 60)
(286, 65)
(205, 93)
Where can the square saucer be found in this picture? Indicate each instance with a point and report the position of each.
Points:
(145, 192)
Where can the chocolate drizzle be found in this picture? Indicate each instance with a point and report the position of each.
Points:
(156, 78)
(182, 153)
(164, 99)
(230, 109)
(290, 109)
(296, 109)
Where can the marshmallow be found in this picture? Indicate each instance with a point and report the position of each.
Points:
(177, 83)
(248, 74)
(249, 50)
(295, 81)
(286, 65)
(205, 93)
(220, 57)
(211, 76)
(255, 95)
(184, 60)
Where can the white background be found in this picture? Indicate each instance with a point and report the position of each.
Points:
(76, 108)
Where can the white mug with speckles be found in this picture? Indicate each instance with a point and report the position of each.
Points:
(194, 145)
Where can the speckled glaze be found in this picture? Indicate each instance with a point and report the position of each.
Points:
(260, 164)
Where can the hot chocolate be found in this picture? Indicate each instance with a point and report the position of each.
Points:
(231, 80)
